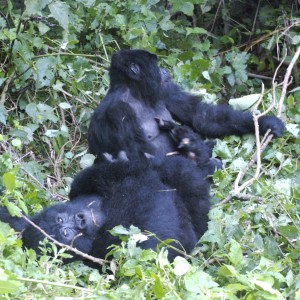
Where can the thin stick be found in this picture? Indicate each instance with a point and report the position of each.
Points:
(237, 188)
(261, 145)
(69, 248)
(286, 81)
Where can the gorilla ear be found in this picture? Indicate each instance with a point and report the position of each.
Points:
(135, 69)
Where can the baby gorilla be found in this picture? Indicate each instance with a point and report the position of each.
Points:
(189, 144)
(169, 199)
(71, 223)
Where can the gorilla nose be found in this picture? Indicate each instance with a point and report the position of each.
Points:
(80, 220)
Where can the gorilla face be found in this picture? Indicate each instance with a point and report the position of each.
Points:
(138, 72)
(73, 223)
(134, 64)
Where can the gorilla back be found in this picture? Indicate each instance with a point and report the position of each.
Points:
(170, 200)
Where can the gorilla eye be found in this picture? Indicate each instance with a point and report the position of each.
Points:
(60, 220)
(135, 69)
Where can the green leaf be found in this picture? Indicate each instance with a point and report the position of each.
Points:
(95, 276)
(8, 286)
(17, 143)
(181, 266)
(86, 160)
(13, 209)
(158, 287)
(2, 80)
(231, 79)
(41, 112)
(187, 8)
(206, 75)
(295, 89)
(65, 105)
(235, 254)
(248, 144)
(214, 232)
(236, 287)
(166, 24)
(119, 230)
(196, 30)
(2, 22)
(296, 40)
(199, 280)
(69, 155)
(9, 181)
(290, 231)
(34, 7)
(152, 2)
(245, 102)
(222, 150)
(60, 12)
(43, 28)
(294, 129)
(25, 51)
(45, 71)
(227, 270)
(267, 287)
(163, 258)
(180, 5)
(238, 164)
(3, 114)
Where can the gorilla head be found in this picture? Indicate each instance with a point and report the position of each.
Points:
(130, 68)
(73, 223)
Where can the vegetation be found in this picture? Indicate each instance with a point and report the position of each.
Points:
(54, 70)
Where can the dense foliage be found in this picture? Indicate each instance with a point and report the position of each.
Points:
(54, 70)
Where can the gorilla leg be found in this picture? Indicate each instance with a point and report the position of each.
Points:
(191, 187)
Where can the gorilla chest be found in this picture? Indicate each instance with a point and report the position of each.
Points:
(147, 116)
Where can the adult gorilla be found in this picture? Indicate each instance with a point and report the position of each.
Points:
(169, 199)
(141, 93)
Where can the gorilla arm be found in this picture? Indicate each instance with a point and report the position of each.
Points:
(115, 127)
(212, 121)
(18, 224)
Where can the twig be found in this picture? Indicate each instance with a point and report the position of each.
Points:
(56, 196)
(74, 287)
(237, 188)
(255, 17)
(286, 81)
(240, 196)
(261, 145)
(6, 86)
(259, 76)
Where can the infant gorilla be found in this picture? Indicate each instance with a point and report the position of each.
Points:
(169, 198)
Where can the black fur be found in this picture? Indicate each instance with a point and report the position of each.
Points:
(169, 199)
(140, 92)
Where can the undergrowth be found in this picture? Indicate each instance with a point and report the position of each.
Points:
(54, 70)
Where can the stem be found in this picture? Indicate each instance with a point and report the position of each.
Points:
(55, 284)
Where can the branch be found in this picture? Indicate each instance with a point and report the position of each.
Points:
(287, 80)
(237, 188)
(5, 89)
(262, 144)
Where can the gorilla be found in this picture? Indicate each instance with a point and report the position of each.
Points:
(140, 94)
(169, 198)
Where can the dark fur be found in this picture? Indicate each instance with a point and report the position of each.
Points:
(169, 199)
(140, 92)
